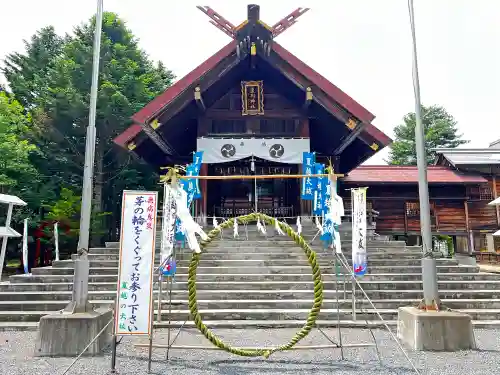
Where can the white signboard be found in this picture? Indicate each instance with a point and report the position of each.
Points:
(279, 150)
(135, 273)
(359, 259)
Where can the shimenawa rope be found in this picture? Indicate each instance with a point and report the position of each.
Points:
(316, 274)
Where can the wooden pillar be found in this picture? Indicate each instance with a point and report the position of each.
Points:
(303, 131)
(203, 187)
(470, 235)
(495, 196)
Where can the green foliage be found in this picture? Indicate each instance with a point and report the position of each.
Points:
(440, 131)
(17, 173)
(52, 80)
(449, 243)
(66, 211)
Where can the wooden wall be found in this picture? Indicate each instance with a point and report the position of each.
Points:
(399, 211)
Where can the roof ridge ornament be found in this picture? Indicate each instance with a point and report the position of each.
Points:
(252, 31)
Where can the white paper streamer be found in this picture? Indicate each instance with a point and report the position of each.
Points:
(260, 227)
(318, 225)
(299, 225)
(215, 223)
(56, 239)
(191, 228)
(235, 229)
(25, 246)
(277, 228)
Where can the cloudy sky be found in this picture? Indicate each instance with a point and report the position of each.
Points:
(362, 46)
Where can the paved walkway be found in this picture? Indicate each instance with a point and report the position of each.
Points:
(17, 349)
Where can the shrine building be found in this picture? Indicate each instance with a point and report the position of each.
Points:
(253, 107)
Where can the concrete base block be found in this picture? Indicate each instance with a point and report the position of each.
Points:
(435, 331)
(67, 335)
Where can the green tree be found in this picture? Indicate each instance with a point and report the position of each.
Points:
(17, 174)
(127, 81)
(440, 131)
(27, 72)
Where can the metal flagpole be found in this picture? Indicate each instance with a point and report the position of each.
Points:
(79, 301)
(429, 270)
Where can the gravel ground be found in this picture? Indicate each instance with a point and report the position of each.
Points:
(17, 348)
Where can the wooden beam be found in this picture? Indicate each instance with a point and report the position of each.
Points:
(199, 99)
(218, 21)
(287, 21)
(466, 206)
(149, 129)
(319, 97)
(224, 114)
(356, 128)
(308, 99)
(208, 80)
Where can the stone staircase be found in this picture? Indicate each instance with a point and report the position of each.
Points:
(263, 282)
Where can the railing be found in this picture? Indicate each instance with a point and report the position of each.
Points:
(487, 257)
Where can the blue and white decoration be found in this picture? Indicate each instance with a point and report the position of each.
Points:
(320, 189)
(308, 160)
(359, 259)
(192, 188)
(333, 211)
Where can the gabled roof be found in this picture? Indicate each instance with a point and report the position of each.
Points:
(469, 156)
(331, 91)
(396, 174)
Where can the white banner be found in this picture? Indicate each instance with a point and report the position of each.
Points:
(359, 258)
(25, 246)
(281, 150)
(135, 273)
(168, 224)
(56, 239)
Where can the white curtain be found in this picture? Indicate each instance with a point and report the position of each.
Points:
(281, 150)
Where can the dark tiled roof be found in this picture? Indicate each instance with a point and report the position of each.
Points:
(395, 174)
(317, 79)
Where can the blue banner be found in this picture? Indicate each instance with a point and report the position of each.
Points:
(319, 189)
(197, 161)
(307, 191)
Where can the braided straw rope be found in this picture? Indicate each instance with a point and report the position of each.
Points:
(316, 273)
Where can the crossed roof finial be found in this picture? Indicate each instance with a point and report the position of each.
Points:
(253, 15)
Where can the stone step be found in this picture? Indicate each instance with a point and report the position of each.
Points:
(287, 304)
(290, 254)
(283, 285)
(292, 250)
(262, 277)
(263, 263)
(283, 241)
(304, 269)
(108, 291)
(265, 314)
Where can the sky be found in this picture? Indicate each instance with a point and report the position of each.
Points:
(362, 46)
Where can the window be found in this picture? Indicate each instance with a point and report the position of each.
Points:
(480, 193)
(278, 126)
(412, 209)
(228, 126)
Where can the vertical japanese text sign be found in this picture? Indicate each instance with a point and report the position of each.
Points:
(319, 189)
(359, 259)
(308, 160)
(135, 273)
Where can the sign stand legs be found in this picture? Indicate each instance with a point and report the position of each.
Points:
(339, 330)
(169, 285)
(113, 349)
